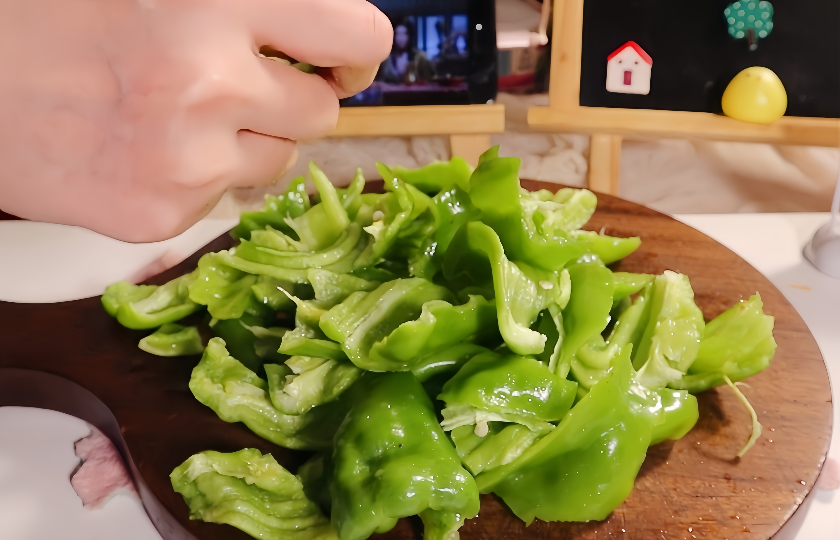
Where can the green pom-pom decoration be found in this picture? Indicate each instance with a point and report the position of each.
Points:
(751, 20)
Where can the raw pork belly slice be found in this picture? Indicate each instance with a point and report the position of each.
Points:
(102, 474)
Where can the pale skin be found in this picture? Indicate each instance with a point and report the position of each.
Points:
(132, 117)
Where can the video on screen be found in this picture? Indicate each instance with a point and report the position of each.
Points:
(429, 64)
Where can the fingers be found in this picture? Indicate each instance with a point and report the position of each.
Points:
(283, 102)
(348, 81)
(326, 33)
(264, 159)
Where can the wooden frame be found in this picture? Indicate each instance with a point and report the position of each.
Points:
(468, 126)
(608, 125)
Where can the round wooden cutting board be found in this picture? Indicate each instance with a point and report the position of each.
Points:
(692, 488)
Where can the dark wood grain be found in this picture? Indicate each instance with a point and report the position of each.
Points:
(696, 484)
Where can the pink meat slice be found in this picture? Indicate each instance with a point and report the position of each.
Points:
(830, 477)
(102, 474)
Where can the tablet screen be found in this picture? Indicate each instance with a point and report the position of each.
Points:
(430, 57)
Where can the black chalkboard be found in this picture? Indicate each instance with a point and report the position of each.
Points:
(694, 57)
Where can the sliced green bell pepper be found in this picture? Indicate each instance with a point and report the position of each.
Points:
(627, 283)
(586, 466)
(351, 196)
(277, 240)
(142, 307)
(607, 248)
(588, 311)
(304, 382)
(307, 341)
(269, 292)
(445, 362)
(291, 266)
(502, 444)
(439, 326)
(495, 191)
(321, 225)
(567, 210)
(173, 340)
(225, 291)
(438, 176)
(291, 204)
(345, 242)
(331, 288)
(675, 413)
(402, 219)
(364, 318)
(738, 343)
(267, 340)
(521, 291)
(507, 388)
(391, 460)
(237, 394)
(124, 292)
(454, 209)
(248, 340)
(672, 331)
(550, 324)
(251, 492)
(592, 360)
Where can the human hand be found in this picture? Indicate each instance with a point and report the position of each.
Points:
(132, 117)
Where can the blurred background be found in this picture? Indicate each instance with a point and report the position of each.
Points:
(672, 176)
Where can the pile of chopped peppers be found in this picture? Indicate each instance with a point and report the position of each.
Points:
(454, 335)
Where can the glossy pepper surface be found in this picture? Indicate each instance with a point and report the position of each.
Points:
(291, 204)
(249, 341)
(391, 459)
(521, 291)
(225, 291)
(454, 209)
(304, 382)
(437, 177)
(439, 327)
(143, 307)
(251, 492)
(495, 192)
(607, 248)
(402, 219)
(672, 327)
(173, 340)
(502, 444)
(588, 311)
(586, 466)
(237, 394)
(738, 343)
(505, 388)
(366, 318)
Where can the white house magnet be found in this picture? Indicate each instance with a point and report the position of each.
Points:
(628, 70)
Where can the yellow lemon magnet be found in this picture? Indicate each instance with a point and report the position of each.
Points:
(755, 95)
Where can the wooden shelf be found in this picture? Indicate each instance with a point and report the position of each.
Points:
(676, 124)
(420, 120)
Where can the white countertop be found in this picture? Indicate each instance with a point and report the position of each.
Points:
(40, 504)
